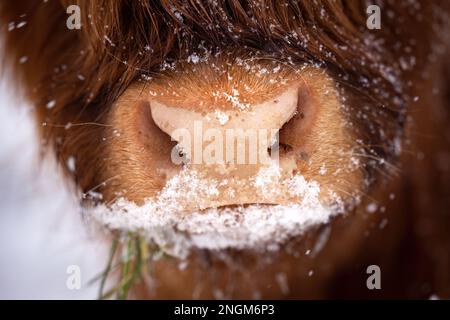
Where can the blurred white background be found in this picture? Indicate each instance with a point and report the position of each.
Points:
(41, 232)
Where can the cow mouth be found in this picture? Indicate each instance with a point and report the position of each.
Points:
(255, 226)
(243, 206)
(194, 212)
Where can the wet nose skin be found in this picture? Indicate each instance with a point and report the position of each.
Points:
(230, 146)
(269, 115)
(193, 129)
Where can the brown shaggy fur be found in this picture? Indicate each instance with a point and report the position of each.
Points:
(378, 72)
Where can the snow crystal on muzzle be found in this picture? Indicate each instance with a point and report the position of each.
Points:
(251, 227)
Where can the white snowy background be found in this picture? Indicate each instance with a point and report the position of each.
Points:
(41, 232)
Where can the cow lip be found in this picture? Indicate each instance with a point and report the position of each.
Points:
(248, 226)
(242, 206)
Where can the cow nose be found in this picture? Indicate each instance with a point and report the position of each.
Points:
(241, 134)
(231, 146)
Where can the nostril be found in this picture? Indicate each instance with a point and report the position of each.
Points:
(296, 133)
(179, 156)
(285, 148)
(279, 148)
